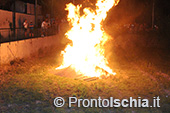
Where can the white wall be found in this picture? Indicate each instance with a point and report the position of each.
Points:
(24, 48)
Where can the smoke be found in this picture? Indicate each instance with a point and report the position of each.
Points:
(130, 11)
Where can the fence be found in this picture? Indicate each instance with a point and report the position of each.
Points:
(7, 23)
(7, 34)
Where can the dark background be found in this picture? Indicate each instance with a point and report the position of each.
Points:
(127, 11)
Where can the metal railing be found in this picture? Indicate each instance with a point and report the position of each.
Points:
(8, 34)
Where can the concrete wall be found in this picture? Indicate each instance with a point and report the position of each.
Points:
(6, 19)
(24, 48)
(19, 6)
(30, 9)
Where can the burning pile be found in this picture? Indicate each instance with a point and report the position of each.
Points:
(86, 52)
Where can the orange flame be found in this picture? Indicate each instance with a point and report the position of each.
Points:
(86, 53)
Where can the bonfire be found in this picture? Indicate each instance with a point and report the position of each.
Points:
(86, 54)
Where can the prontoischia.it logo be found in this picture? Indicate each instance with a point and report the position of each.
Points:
(111, 102)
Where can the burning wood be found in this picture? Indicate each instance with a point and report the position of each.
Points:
(86, 53)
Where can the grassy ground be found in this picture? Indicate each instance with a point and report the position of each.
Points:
(28, 86)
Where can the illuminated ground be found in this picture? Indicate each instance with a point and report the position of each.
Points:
(28, 86)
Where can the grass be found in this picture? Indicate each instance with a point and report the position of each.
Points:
(28, 86)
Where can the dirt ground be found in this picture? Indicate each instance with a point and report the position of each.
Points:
(142, 64)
